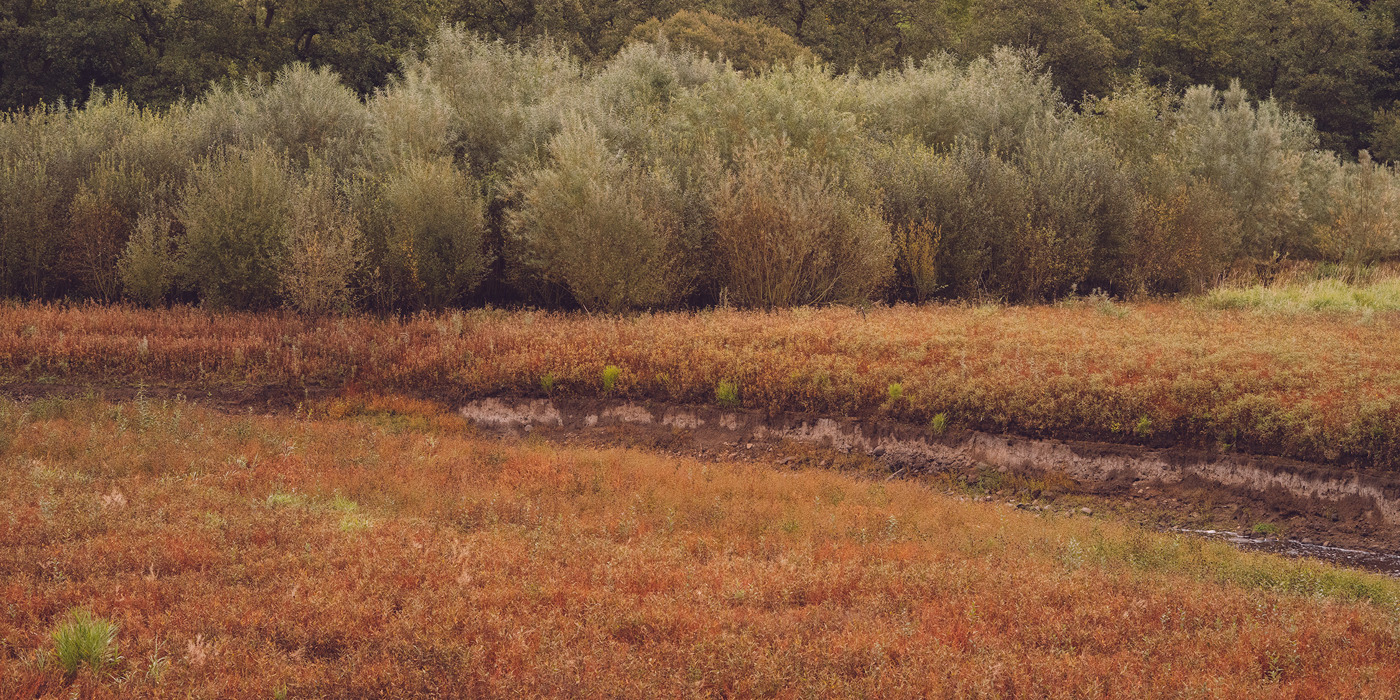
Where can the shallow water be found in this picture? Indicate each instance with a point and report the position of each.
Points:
(1380, 562)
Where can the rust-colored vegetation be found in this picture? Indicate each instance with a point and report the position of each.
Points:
(387, 552)
(1313, 386)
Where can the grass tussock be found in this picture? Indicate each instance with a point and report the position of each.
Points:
(388, 552)
(1291, 297)
(1316, 387)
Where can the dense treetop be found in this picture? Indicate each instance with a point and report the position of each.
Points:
(1333, 60)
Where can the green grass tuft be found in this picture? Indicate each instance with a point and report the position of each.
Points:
(727, 394)
(84, 639)
(1325, 295)
(610, 376)
(939, 423)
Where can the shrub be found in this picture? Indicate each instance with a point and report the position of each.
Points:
(100, 217)
(806, 105)
(304, 113)
(1078, 198)
(83, 639)
(1180, 240)
(939, 423)
(325, 248)
(895, 392)
(506, 100)
(410, 119)
(916, 248)
(427, 229)
(29, 215)
(979, 203)
(749, 44)
(236, 216)
(1257, 155)
(601, 226)
(307, 113)
(1363, 225)
(649, 76)
(786, 234)
(148, 262)
(990, 101)
(727, 394)
(611, 373)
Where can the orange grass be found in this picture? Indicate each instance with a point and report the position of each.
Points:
(391, 553)
(1319, 387)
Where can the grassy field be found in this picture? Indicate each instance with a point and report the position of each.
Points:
(1323, 295)
(1317, 386)
(382, 551)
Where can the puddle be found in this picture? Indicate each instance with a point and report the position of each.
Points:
(1379, 562)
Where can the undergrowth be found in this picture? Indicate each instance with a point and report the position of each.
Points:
(362, 555)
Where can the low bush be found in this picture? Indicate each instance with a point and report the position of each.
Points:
(663, 177)
(237, 213)
(787, 234)
(324, 248)
(148, 263)
(426, 235)
(602, 227)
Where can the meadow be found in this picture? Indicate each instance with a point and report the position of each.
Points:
(1318, 386)
(384, 550)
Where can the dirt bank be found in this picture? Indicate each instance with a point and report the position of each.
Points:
(1267, 502)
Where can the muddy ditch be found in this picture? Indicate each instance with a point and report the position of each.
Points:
(1347, 516)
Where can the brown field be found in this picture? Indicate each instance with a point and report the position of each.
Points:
(384, 550)
(1315, 386)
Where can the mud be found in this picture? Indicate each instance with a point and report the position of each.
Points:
(1343, 515)
(1358, 558)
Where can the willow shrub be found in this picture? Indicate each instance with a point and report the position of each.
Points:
(787, 234)
(505, 100)
(149, 261)
(601, 226)
(324, 247)
(1364, 222)
(236, 213)
(425, 234)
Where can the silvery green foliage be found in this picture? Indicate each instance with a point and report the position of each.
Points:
(1362, 223)
(1255, 154)
(410, 119)
(989, 101)
(302, 113)
(426, 228)
(506, 101)
(805, 104)
(483, 148)
(600, 225)
(236, 212)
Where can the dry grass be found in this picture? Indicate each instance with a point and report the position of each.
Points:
(387, 552)
(1313, 386)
